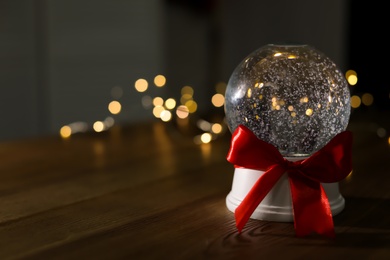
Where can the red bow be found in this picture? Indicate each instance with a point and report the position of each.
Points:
(311, 207)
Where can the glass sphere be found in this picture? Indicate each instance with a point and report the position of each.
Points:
(291, 96)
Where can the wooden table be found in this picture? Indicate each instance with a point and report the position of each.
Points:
(148, 191)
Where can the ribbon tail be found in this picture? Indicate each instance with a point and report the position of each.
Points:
(256, 194)
(312, 212)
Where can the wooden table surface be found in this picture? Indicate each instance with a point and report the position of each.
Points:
(148, 191)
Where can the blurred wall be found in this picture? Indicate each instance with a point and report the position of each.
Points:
(61, 59)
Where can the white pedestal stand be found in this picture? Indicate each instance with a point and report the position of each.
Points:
(277, 205)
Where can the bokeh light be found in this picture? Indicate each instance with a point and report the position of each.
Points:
(216, 128)
(182, 112)
(170, 103)
(158, 101)
(351, 77)
(157, 110)
(114, 107)
(206, 138)
(159, 81)
(98, 126)
(147, 101)
(221, 87)
(165, 115)
(65, 131)
(218, 100)
(367, 99)
(187, 90)
(141, 85)
(192, 106)
(355, 101)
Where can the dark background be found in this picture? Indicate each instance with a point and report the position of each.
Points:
(367, 50)
(60, 60)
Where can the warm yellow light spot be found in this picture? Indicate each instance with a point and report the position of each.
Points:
(304, 100)
(277, 54)
(170, 103)
(218, 100)
(187, 90)
(216, 128)
(319, 105)
(158, 101)
(290, 108)
(352, 80)
(351, 77)
(141, 85)
(273, 100)
(388, 140)
(184, 98)
(281, 102)
(98, 126)
(309, 112)
(114, 107)
(157, 111)
(367, 99)
(291, 57)
(205, 138)
(277, 107)
(166, 115)
(254, 105)
(65, 131)
(261, 97)
(257, 117)
(192, 106)
(293, 114)
(350, 73)
(159, 81)
(182, 112)
(220, 87)
(355, 101)
(249, 93)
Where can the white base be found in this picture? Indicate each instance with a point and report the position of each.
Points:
(277, 205)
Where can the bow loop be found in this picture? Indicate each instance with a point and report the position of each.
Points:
(248, 151)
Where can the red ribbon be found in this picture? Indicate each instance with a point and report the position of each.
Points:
(311, 209)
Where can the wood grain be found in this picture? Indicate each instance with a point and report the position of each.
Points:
(148, 192)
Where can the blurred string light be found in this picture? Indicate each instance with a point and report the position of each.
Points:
(165, 109)
(141, 85)
(76, 127)
(169, 108)
(160, 80)
(114, 107)
(366, 99)
(351, 77)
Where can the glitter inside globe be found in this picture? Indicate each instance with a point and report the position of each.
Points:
(291, 96)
